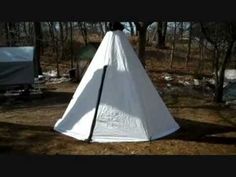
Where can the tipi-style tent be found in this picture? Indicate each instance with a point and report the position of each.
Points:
(115, 100)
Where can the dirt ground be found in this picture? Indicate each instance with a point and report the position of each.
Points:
(26, 127)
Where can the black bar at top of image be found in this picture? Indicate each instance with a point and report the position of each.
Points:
(148, 10)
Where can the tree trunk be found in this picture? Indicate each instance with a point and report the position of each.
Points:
(83, 30)
(71, 46)
(216, 65)
(57, 58)
(85, 34)
(17, 33)
(37, 41)
(42, 42)
(12, 31)
(164, 34)
(101, 29)
(31, 32)
(25, 29)
(106, 26)
(26, 33)
(141, 27)
(62, 41)
(56, 49)
(220, 83)
(6, 34)
(189, 45)
(51, 31)
(142, 43)
(200, 61)
(66, 32)
(161, 31)
(181, 30)
(173, 47)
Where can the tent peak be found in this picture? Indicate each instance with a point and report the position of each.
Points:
(113, 26)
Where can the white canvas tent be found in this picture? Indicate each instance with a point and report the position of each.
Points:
(115, 100)
(16, 66)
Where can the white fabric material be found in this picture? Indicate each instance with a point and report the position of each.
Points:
(130, 108)
(16, 65)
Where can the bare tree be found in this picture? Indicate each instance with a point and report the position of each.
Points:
(57, 52)
(173, 46)
(83, 29)
(6, 34)
(161, 32)
(54, 39)
(26, 34)
(62, 41)
(12, 31)
(106, 26)
(71, 46)
(37, 41)
(66, 31)
(201, 56)
(101, 29)
(52, 36)
(141, 27)
(188, 56)
(25, 28)
(31, 32)
(222, 36)
(181, 29)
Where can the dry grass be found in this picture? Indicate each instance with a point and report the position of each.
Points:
(27, 128)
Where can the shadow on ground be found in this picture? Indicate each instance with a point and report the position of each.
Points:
(27, 139)
(202, 132)
(47, 99)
